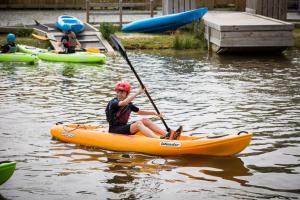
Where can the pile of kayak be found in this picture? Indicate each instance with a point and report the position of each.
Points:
(78, 57)
(31, 55)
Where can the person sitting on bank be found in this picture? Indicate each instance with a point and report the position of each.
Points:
(10, 47)
(118, 111)
(69, 42)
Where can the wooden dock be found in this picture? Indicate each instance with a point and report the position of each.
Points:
(236, 31)
(89, 38)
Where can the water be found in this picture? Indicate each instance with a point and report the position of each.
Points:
(206, 93)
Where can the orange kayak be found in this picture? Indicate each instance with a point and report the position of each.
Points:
(98, 136)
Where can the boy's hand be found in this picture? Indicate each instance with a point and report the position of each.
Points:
(141, 91)
(159, 115)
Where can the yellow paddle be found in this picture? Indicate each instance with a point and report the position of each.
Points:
(90, 49)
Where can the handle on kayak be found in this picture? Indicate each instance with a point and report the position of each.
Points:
(122, 51)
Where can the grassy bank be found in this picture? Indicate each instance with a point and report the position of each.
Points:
(190, 37)
(296, 34)
(27, 40)
(182, 40)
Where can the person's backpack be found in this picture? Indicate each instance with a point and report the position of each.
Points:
(109, 114)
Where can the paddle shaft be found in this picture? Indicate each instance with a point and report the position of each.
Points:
(147, 93)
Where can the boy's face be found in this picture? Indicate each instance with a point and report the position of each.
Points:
(121, 94)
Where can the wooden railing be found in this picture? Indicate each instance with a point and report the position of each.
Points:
(175, 6)
(117, 8)
(276, 9)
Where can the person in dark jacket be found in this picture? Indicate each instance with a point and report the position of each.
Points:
(69, 42)
(10, 46)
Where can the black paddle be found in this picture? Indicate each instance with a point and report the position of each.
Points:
(122, 51)
(43, 25)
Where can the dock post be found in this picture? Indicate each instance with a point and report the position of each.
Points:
(121, 12)
(208, 37)
(87, 6)
(151, 8)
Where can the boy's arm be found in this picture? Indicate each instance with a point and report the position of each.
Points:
(126, 101)
(144, 112)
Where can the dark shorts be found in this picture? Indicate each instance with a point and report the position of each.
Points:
(123, 129)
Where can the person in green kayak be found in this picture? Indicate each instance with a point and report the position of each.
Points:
(69, 42)
(10, 46)
(118, 111)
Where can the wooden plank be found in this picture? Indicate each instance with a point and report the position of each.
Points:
(276, 8)
(193, 4)
(264, 8)
(121, 12)
(181, 6)
(244, 22)
(87, 8)
(256, 34)
(256, 43)
(151, 8)
(116, 12)
(259, 7)
(187, 5)
(176, 6)
(284, 12)
(269, 8)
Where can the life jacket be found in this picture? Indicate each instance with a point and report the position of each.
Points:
(13, 48)
(120, 117)
(9, 48)
(72, 42)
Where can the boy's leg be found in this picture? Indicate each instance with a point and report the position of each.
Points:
(139, 126)
(153, 127)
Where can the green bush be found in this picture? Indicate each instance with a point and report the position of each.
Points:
(199, 29)
(107, 29)
(177, 42)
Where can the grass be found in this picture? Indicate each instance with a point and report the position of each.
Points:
(189, 37)
(27, 40)
(178, 40)
(296, 34)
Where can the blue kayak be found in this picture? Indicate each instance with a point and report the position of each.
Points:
(165, 23)
(67, 22)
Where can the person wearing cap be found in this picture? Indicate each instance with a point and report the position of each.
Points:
(10, 46)
(68, 42)
(118, 111)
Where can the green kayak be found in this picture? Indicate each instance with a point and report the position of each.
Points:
(7, 169)
(18, 57)
(78, 57)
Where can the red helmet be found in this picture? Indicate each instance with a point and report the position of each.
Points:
(124, 86)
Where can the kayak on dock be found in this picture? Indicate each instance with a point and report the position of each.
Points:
(78, 57)
(98, 136)
(7, 169)
(18, 57)
(67, 22)
(165, 23)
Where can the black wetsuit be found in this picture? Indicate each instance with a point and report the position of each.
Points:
(118, 117)
(69, 44)
(9, 48)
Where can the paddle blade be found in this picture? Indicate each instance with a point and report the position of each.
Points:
(92, 50)
(119, 46)
(36, 22)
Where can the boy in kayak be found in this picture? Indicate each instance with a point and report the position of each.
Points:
(118, 112)
(69, 43)
(10, 47)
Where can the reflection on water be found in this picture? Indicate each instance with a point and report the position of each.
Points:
(206, 93)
